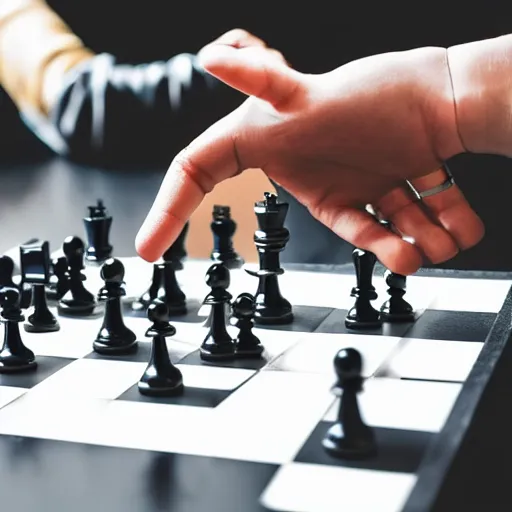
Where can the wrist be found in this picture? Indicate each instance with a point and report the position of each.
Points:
(481, 76)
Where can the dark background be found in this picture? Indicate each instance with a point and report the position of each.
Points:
(315, 38)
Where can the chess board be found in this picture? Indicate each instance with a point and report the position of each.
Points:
(76, 435)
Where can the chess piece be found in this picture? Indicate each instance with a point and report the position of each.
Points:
(7, 272)
(14, 355)
(161, 377)
(78, 301)
(164, 283)
(97, 227)
(247, 343)
(7, 267)
(177, 252)
(363, 315)
(349, 437)
(270, 239)
(35, 271)
(113, 337)
(396, 308)
(223, 228)
(218, 343)
(59, 280)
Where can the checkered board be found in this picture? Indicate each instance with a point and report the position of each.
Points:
(76, 435)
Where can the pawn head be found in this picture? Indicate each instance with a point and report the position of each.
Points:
(73, 246)
(217, 276)
(243, 305)
(348, 364)
(6, 266)
(112, 271)
(158, 312)
(9, 297)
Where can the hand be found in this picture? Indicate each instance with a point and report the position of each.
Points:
(338, 142)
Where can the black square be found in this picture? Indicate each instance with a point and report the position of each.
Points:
(306, 319)
(196, 397)
(194, 358)
(335, 324)
(191, 317)
(452, 325)
(46, 366)
(397, 450)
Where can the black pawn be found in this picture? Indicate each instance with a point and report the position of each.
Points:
(6, 280)
(218, 343)
(14, 355)
(223, 228)
(97, 228)
(396, 308)
(247, 343)
(349, 437)
(363, 315)
(164, 283)
(113, 337)
(59, 281)
(161, 377)
(78, 301)
(7, 272)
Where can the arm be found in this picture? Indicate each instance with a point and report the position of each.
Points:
(91, 108)
(481, 74)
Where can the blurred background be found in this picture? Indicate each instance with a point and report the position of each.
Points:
(45, 194)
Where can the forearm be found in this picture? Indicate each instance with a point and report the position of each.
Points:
(36, 49)
(481, 74)
(117, 114)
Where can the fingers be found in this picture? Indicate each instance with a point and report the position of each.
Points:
(254, 70)
(210, 159)
(239, 38)
(451, 210)
(441, 224)
(410, 219)
(362, 230)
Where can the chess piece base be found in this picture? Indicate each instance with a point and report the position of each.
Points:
(338, 446)
(217, 352)
(265, 317)
(160, 387)
(124, 343)
(13, 364)
(69, 309)
(371, 319)
(32, 326)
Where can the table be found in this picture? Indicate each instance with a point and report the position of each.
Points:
(48, 198)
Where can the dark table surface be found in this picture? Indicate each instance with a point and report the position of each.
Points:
(48, 199)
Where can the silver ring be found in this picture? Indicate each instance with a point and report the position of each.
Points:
(449, 182)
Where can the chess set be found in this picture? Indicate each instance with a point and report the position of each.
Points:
(215, 385)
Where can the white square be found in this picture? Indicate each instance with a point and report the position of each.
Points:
(403, 404)
(315, 488)
(10, 393)
(441, 360)
(465, 294)
(90, 378)
(316, 352)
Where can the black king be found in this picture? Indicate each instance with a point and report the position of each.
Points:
(270, 239)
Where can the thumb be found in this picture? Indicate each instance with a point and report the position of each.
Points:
(208, 160)
(255, 71)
